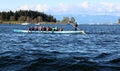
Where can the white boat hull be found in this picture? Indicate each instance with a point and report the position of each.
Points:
(49, 32)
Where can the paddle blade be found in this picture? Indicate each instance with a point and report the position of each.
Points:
(83, 32)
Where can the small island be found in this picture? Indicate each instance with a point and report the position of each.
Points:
(25, 16)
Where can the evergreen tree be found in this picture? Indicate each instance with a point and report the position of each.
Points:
(39, 19)
(28, 19)
(72, 20)
(0, 17)
(21, 18)
(119, 21)
(65, 20)
(26, 15)
(34, 20)
(12, 18)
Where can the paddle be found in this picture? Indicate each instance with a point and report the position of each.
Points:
(78, 28)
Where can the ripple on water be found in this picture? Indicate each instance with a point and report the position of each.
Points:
(65, 52)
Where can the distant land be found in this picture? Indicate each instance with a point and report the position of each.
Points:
(22, 16)
(29, 16)
(92, 19)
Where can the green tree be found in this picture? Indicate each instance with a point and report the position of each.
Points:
(119, 21)
(0, 17)
(12, 18)
(26, 15)
(34, 20)
(39, 19)
(21, 18)
(72, 20)
(65, 20)
(3, 14)
(28, 19)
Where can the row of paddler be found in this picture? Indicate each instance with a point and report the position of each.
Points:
(43, 28)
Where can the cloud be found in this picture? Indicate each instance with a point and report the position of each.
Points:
(60, 8)
(38, 7)
(79, 8)
(63, 7)
(25, 7)
(107, 6)
(84, 4)
(98, 8)
(42, 8)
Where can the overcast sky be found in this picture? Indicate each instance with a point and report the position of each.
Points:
(57, 7)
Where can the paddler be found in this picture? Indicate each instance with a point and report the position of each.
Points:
(39, 28)
(75, 26)
(55, 29)
(61, 29)
(49, 29)
(43, 28)
(31, 28)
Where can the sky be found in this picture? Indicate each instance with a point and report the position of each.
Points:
(59, 7)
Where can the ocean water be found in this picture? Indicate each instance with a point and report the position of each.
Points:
(98, 50)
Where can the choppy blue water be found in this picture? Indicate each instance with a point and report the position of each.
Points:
(98, 50)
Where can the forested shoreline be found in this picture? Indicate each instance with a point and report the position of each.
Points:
(22, 16)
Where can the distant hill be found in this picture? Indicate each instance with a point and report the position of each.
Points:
(91, 19)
